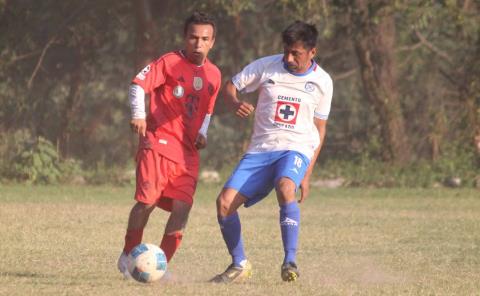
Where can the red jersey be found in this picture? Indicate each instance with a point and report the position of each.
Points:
(181, 94)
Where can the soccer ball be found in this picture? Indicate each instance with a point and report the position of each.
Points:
(147, 263)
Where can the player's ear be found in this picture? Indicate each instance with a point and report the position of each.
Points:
(213, 42)
(313, 52)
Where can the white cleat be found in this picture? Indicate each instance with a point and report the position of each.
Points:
(122, 265)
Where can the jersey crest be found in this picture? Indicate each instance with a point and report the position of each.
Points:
(309, 86)
(178, 91)
(197, 83)
(286, 112)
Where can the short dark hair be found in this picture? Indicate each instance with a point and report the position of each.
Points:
(200, 18)
(300, 31)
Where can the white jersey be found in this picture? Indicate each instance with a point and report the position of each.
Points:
(287, 105)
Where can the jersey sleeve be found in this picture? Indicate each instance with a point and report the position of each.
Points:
(213, 98)
(152, 76)
(325, 99)
(250, 78)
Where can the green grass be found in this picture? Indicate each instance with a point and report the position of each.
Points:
(66, 240)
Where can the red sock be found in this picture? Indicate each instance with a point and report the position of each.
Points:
(132, 238)
(170, 244)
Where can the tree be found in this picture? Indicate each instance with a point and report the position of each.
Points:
(373, 29)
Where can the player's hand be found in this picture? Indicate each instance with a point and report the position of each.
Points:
(200, 142)
(305, 189)
(243, 109)
(139, 126)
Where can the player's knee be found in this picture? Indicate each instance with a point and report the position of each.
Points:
(285, 186)
(142, 208)
(223, 205)
(285, 190)
(181, 210)
(181, 206)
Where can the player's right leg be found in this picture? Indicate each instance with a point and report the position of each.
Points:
(228, 201)
(249, 183)
(137, 220)
(149, 183)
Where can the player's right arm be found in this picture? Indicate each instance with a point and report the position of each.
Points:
(241, 108)
(149, 78)
(136, 97)
(248, 80)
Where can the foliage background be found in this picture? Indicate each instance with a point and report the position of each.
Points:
(65, 67)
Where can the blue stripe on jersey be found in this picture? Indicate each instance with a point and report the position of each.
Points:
(320, 116)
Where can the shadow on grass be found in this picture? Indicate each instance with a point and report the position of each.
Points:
(25, 274)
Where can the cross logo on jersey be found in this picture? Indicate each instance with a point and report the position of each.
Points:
(286, 112)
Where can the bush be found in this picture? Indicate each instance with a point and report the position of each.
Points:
(34, 161)
(456, 161)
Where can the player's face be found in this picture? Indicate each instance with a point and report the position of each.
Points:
(199, 40)
(298, 58)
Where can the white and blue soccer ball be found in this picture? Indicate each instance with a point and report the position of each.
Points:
(147, 263)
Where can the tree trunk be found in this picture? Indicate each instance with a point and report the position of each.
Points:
(471, 93)
(374, 41)
(71, 104)
(145, 34)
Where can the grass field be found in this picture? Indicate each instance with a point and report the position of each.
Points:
(66, 240)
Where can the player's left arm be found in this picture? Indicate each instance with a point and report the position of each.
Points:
(305, 184)
(201, 140)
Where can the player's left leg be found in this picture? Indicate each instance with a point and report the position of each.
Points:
(176, 223)
(289, 226)
(137, 220)
(290, 170)
(177, 198)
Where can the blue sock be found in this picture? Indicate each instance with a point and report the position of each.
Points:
(231, 232)
(289, 225)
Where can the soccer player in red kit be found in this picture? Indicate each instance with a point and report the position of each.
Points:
(183, 86)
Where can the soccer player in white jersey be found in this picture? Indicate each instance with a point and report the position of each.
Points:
(294, 98)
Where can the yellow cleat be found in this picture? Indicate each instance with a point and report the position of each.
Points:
(234, 274)
(289, 272)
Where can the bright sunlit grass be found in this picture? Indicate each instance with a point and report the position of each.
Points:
(66, 240)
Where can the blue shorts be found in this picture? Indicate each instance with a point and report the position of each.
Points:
(257, 173)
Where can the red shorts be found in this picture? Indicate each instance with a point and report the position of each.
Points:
(160, 180)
